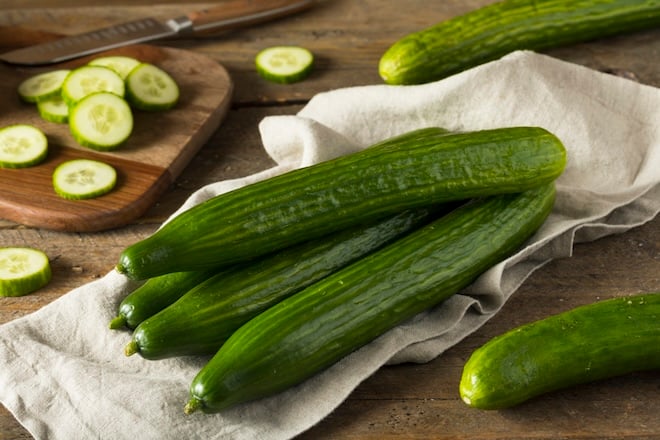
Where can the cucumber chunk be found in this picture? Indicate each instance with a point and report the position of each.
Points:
(23, 270)
(83, 179)
(87, 80)
(284, 64)
(120, 64)
(151, 88)
(102, 121)
(22, 146)
(54, 110)
(43, 85)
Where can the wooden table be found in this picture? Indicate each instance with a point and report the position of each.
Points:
(405, 401)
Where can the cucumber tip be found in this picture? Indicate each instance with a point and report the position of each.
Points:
(117, 322)
(121, 268)
(192, 405)
(131, 348)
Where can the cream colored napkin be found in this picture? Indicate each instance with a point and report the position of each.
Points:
(63, 374)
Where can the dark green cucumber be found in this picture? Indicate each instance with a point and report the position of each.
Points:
(494, 30)
(202, 319)
(417, 169)
(596, 341)
(316, 327)
(154, 295)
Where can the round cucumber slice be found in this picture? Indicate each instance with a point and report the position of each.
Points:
(43, 85)
(102, 121)
(150, 88)
(22, 146)
(83, 179)
(284, 64)
(86, 80)
(23, 270)
(120, 64)
(54, 110)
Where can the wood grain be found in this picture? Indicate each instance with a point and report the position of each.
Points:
(161, 145)
(239, 13)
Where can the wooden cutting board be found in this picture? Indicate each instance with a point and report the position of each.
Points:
(160, 147)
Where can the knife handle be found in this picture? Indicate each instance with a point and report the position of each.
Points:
(238, 13)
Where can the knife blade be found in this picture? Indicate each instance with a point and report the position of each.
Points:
(227, 16)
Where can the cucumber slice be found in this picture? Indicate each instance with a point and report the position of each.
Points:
(149, 87)
(83, 179)
(120, 64)
(102, 121)
(22, 146)
(42, 86)
(86, 80)
(23, 270)
(284, 64)
(54, 110)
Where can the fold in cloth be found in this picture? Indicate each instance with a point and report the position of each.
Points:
(63, 374)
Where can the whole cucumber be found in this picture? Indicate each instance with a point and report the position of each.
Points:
(417, 169)
(492, 31)
(591, 342)
(202, 319)
(316, 327)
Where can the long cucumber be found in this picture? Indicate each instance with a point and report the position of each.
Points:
(591, 342)
(494, 30)
(202, 319)
(417, 169)
(316, 327)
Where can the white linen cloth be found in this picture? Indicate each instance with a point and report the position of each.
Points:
(62, 371)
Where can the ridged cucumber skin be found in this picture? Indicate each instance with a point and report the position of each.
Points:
(591, 342)
(155, 295)
(492, 31)
(316, 327)
(202, 319)
(421, 168)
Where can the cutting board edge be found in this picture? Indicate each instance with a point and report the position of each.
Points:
(91, 221)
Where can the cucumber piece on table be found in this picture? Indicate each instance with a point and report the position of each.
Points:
(54, 110)
(149, 87)
(83, 179)
(102, 121)
(43, 85)
(22, 146)
(22, 270)
(119, 63)
(87, 80)
(284, 64)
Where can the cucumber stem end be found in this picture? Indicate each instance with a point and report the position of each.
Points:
(131, 348)
(192, 405)
(117, 322)
(121, 269)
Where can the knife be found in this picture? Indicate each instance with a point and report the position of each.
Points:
(229, 15)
